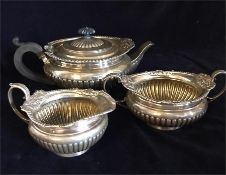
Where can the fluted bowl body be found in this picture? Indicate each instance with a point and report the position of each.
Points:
(167, 100)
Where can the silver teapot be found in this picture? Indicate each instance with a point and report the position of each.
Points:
(83, 61)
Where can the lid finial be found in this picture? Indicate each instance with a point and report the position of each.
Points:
(87, 31)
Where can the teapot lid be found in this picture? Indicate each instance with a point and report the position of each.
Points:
(88, 48)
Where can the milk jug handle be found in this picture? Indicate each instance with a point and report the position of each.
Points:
(11, 101)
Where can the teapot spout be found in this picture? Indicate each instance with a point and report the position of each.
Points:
(138, 55)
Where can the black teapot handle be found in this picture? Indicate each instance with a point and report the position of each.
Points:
(18, 60)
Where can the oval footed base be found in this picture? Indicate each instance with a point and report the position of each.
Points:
(164, 128)
(73, 154)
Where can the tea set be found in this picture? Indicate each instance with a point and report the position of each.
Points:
(70, 121)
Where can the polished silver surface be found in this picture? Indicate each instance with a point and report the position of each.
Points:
(68, 121)
(168, 100)
(83, 61)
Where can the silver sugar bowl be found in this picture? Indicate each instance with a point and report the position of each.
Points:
(168, 100)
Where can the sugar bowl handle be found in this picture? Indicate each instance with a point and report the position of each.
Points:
(11, 102)
(214, 75)
(111, 77)
(18, 60)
